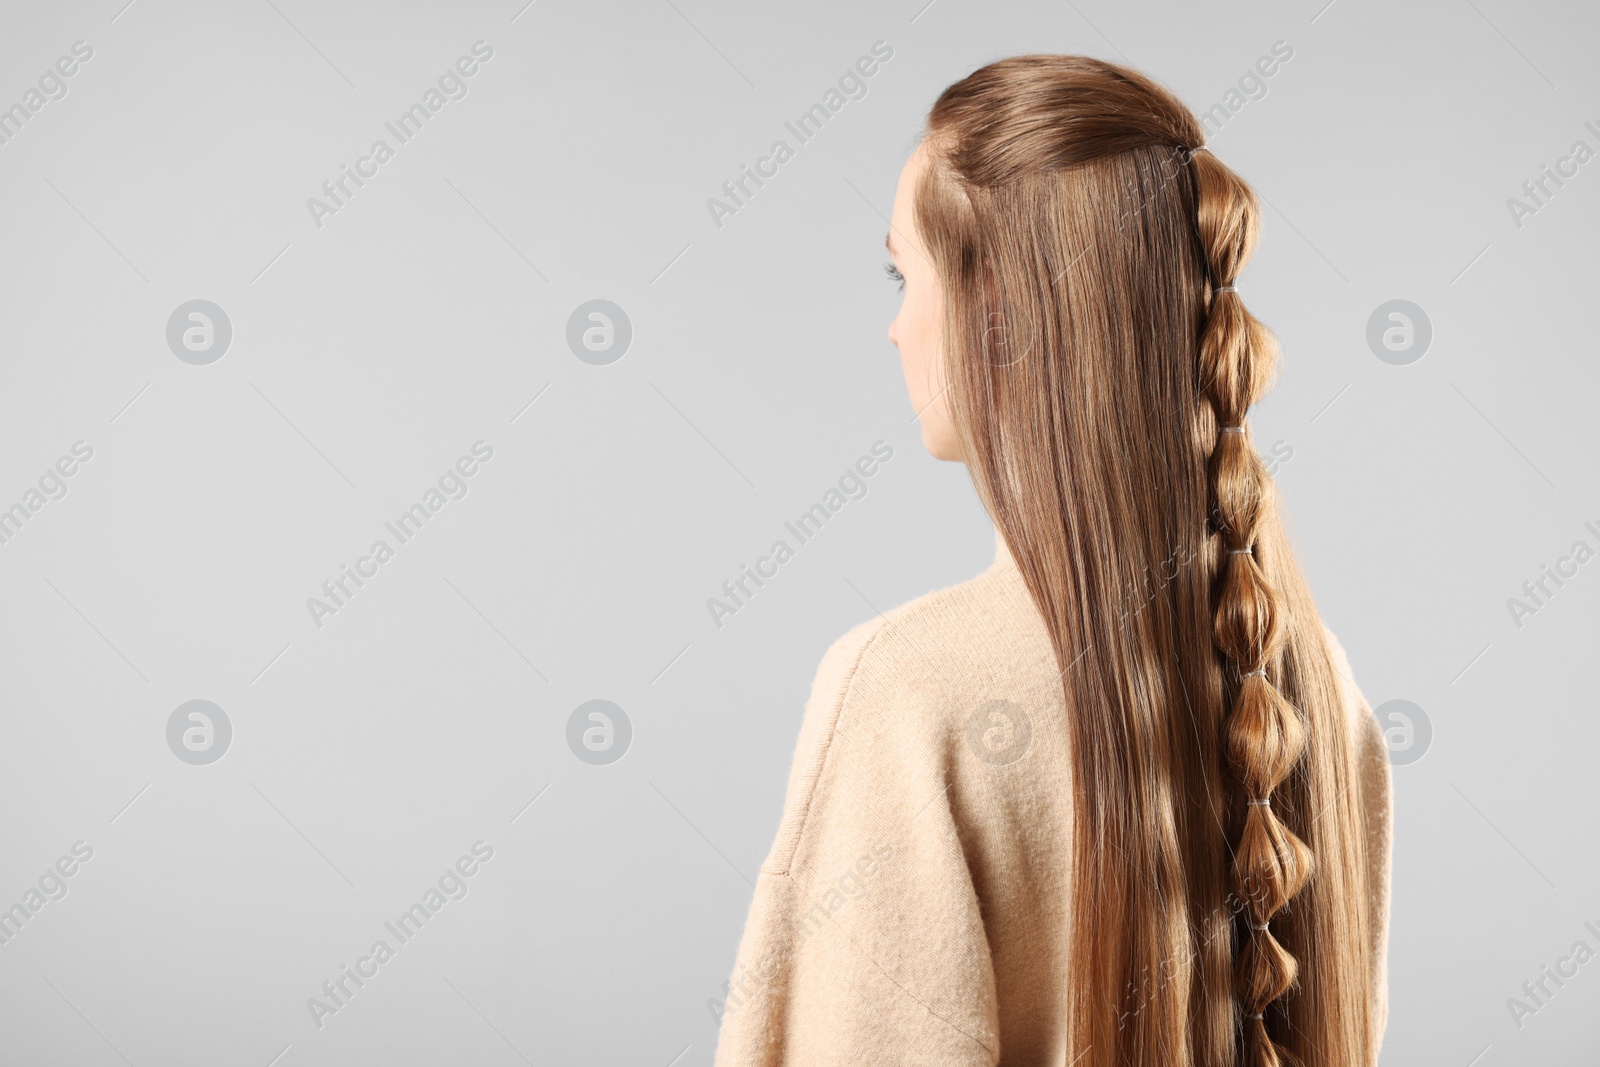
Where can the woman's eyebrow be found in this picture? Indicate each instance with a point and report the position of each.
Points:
(888, 241)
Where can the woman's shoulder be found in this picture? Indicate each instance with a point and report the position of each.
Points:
(893, 704)
(982, 632)
(1362, 719)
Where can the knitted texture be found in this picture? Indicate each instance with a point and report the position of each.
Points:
(912, 909)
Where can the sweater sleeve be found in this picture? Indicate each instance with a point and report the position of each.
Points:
(864, 943)
(1376, 785)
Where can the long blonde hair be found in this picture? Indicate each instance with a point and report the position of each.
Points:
(1100, 369)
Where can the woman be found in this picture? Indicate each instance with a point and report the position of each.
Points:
(1116, 800)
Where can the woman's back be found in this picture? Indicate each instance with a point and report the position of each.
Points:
(914, 906)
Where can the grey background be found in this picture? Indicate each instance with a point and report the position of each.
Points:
(367, 355)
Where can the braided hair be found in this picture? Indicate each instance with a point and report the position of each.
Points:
(1264, 734)
(1103, 425)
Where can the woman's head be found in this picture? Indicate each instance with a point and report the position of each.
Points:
(1067, 334)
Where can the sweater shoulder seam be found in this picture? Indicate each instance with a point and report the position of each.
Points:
(814, 775)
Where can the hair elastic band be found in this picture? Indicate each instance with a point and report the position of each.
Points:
(1257, 1015)
(1201, 148)
(1259, 671)
(1264, 801)
(1241, 551)
(1233, 429)
(1226, 289)
(1258, 926)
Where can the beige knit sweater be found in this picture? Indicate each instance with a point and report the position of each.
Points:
(912, 908)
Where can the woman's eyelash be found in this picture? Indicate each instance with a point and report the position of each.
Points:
(894, 275)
